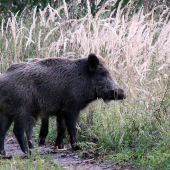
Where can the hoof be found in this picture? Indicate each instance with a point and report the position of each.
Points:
(75, 147)
(41, 142)
(27, 153)
(60, 146)
(59, 143)
(25, 156)
(3, 152)
(30, 144)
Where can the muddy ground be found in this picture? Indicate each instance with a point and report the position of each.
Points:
(65, 158)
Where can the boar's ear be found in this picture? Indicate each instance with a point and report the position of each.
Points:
(93, 62)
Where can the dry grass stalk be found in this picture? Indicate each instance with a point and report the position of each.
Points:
(136, 46)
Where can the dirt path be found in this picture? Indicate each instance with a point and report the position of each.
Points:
(65, 158)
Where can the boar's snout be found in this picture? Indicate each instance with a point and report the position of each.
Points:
(118, 94)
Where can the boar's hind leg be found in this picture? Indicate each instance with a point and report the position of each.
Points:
(61, 128)
(29, 130)
(43, 130)
(4, 126)
(71, 126)
(19, 127)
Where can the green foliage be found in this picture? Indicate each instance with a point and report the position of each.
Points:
(76, 9)
(135, 133)
(16, 6)
(32, 163)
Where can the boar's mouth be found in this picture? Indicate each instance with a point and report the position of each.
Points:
(118, 94)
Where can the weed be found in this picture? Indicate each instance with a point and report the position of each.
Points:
(136, 49)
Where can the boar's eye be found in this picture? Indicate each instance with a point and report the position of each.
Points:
(104, 73)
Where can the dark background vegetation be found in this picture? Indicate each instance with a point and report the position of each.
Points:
(19, 5)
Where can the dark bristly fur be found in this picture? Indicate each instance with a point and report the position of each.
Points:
(52, 86)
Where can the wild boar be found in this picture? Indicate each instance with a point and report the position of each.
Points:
(53, 87)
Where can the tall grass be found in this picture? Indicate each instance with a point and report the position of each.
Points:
(136, 49)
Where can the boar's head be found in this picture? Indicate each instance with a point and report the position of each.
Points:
(103, 83)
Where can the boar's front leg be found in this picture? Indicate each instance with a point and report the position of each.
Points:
(5, 123)
(29, 129)
(61, 128)
(71, 119)
(19, 127)
(43, 131)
